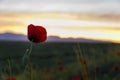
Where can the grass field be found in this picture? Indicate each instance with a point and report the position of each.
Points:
(60, 61)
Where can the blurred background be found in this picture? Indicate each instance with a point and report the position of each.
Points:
(73, 26)
(86, 19)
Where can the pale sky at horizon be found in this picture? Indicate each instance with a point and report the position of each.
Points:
(94, 19)
(75, 6)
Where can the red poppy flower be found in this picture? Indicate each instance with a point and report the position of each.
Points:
(36, 34)
(97, 68)
(60, 67)
(115, 67)
(76, 78)
(10, 79)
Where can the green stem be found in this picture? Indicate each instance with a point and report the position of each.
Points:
(28, 52)
(82, 56)
(10, 69)
(29, 63)
(30, 49)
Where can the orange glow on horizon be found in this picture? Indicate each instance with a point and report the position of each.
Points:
(55, 15)
(105, 35)
(63, 25)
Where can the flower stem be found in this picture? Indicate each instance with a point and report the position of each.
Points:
(10, 68)
(29, 63)
(30, 49)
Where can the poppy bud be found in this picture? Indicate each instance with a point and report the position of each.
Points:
(36, 34)
(115, 67)
(97, 68)
(60, 68)
(76, 78)
(10, 79)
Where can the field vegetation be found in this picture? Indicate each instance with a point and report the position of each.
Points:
(60, 61)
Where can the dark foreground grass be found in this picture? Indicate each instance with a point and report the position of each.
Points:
(62, 61)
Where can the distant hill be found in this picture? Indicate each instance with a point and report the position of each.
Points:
(58, 39)
(12, 37)
(20, 37)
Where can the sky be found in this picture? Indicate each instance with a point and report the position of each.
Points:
(91, 19)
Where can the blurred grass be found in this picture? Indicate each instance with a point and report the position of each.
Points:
(46, 55)
(45, 49)
(63, 51)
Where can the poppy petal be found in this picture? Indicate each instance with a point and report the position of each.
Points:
(36, 34)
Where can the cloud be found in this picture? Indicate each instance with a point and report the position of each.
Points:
(81, 23)
(73, 6)
(10, 23)
(12, 26)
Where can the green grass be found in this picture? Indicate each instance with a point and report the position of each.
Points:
(45, 58)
